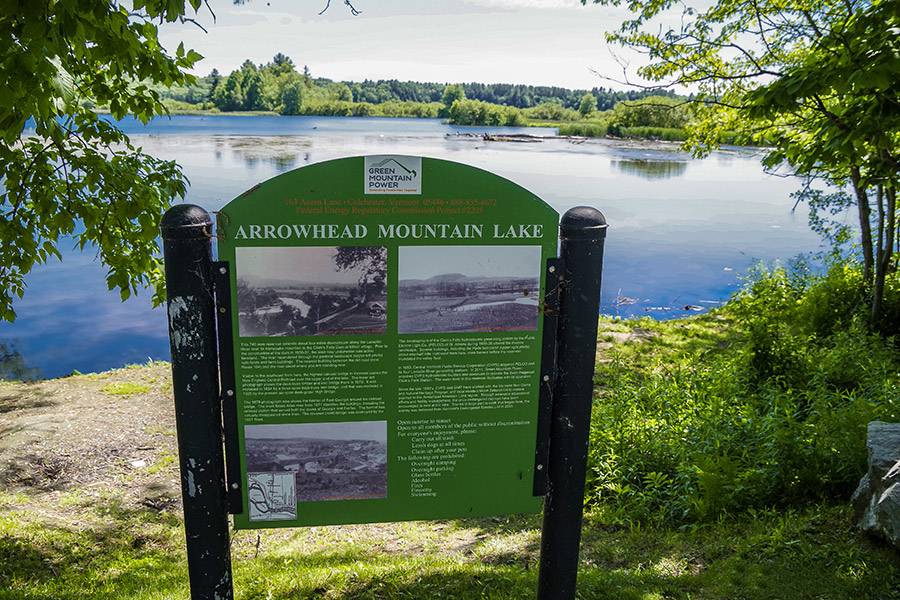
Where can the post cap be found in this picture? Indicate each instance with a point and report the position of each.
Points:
(186, 221)
(583, 222)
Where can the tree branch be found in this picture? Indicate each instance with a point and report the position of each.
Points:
(353, 10)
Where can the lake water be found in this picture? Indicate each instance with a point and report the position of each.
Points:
(468, 307)
(682, 231)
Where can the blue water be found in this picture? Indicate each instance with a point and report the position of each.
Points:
(259, 125)
(682, 231)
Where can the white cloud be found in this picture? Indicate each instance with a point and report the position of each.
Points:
(525, 3)
(491, 41)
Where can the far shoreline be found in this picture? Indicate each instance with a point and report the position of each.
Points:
(646, 143)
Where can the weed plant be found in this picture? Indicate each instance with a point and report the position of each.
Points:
(763, 403)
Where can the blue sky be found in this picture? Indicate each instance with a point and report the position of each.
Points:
(541, 42)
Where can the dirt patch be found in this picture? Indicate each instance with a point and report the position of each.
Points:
(73, 455)
(68, 433)
(609, 338)
(636, 335)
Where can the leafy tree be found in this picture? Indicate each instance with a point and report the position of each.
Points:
(552, 111)
(246, 295)
(274, 77)
(250, 86)
(64, 169)
(253, 98)
(815, 80)
(382, 91)
(452, 93)
(292, 98)
(230, 96)
(282, 63)
(476, 112)
(587, 105)
(342, 92)
(213, 80)
(652, 111)
(13, 366)
(372, 260)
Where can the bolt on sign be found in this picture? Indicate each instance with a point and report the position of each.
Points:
(386, 323)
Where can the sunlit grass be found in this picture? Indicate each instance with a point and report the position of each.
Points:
(119, 552)
(125, 388)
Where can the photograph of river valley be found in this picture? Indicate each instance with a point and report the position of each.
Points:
(468, 288)
(330, 461)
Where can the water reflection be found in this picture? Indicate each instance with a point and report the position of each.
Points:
(281, 153)
(673, 245)
(13, 366)
(650, 168)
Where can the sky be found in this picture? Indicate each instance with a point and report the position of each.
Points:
(422, 262)
(310, 264)
(538, 42)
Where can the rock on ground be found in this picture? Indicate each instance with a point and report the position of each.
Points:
(877, 499)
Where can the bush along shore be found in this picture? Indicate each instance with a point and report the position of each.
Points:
(279, 87)
(724, 449)
(763, 403)
(645, 124)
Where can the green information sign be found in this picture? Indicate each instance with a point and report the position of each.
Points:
(387, 339)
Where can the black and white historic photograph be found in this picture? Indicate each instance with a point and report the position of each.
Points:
(468, 288)
(330, 461)
(312, 290)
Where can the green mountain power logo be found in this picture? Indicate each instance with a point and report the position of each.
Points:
(389, 174)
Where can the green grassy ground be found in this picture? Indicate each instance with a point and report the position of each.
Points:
(104, 549)
(95, 536)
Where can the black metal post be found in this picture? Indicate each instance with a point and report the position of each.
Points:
(582, 234)
(187, 248)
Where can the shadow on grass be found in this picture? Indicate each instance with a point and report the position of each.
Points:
(60, 564)
(21, 560)
(36, 471)
(137, 553)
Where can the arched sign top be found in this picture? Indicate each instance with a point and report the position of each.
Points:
(387, 318)
(387, 188)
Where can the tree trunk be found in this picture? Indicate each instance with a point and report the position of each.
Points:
(865, 224)
(878, 287)
(885, 251)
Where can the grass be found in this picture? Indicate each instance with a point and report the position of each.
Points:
(660, 342)
(120, 552)
(599, 128)
(162, 463)
(159, 430)
(125, 388)
(763, 403)
(583, 128)
(101, 540)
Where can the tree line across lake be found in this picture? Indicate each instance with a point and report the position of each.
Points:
(279, 86)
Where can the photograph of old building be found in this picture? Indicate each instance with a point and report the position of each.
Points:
(330, 461)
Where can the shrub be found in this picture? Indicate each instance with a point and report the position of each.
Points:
(178, 106)
(584, 129)
(551, 111)
(652, 111)
(770, 410)
(475, 112)
(397, 108)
